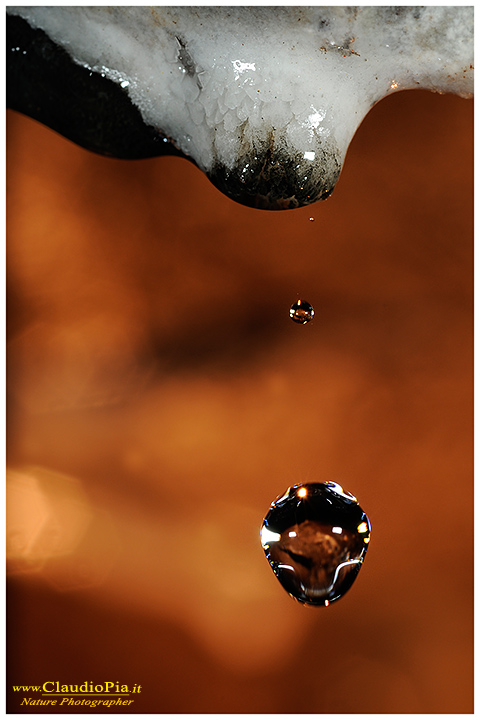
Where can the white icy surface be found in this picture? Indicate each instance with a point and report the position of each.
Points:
(221, 80)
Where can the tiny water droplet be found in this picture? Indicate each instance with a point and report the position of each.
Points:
(311, 219)
(315, 537)
(302, 312)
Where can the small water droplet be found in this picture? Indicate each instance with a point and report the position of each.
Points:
(311, 219)
(302, 312)
(315, 537)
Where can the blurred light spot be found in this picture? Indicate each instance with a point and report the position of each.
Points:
(53, 528)
(27, 513)
(47, 515)
(337, 530)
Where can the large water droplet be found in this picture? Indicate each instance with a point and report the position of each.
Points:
(301, 312)
(315, 537)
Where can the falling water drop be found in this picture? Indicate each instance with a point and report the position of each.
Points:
(315, 537)
(302, 312)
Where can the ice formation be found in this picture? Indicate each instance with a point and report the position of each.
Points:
(265, 100)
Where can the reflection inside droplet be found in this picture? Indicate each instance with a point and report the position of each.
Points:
(315, 538)
(302, 312)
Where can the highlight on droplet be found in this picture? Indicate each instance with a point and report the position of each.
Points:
(267, 536)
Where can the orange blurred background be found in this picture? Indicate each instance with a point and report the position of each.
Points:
(160, 398)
